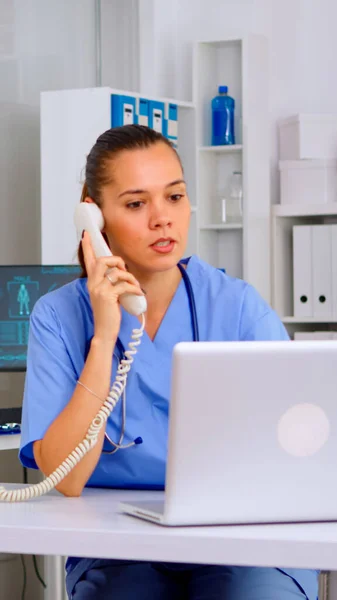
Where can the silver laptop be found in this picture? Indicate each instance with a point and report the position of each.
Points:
(252, 435)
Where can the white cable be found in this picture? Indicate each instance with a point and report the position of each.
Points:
(91, 437)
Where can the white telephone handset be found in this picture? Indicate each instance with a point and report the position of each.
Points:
(88, 216)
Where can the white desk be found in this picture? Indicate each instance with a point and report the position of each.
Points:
(53, 565)
(91, 526)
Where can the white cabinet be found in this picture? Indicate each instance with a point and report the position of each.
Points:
(71, 120)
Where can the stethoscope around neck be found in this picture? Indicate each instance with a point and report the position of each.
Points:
(121, 351)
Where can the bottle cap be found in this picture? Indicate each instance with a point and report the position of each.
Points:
(223, 89)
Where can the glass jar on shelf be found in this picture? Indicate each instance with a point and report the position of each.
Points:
(228, 202)
(234, 198)
(219, 207)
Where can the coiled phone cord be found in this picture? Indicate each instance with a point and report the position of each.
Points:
(91, 437)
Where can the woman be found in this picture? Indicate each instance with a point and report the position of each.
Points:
(136, 178)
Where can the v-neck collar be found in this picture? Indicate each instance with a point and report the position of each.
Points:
(177, 312)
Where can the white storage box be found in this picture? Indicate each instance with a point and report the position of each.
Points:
(308, 136)
(308, 181)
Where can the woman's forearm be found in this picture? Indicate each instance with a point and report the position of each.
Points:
(72, 424)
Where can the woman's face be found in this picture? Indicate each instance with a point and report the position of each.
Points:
(146, 208)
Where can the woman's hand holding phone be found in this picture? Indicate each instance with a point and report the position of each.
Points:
(105, 293)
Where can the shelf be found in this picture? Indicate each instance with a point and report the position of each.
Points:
(180, 103)
(10, 442)
(221, 226)
(310, 320)
(301, 210)
(221, 149)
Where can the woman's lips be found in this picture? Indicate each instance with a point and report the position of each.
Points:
(163, 246)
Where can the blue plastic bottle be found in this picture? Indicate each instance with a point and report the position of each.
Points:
(223, 107)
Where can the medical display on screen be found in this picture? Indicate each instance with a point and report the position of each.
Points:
(20, 287)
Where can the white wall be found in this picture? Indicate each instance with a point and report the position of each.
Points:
(159, 49)
(119, 37)
(44, 45)
(303, 47)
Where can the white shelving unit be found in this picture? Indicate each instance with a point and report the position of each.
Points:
(284, 217)
(300, 210)
(308, 320)
(71, 120)
(221, 226)
(242, 249)
(222, 149)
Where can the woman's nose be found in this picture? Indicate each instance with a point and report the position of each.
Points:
(160, 218)
(162, 222)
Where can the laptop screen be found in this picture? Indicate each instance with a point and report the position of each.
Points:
(20, 288)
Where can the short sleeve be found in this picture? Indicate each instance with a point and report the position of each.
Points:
(50, 379)
(259, 322)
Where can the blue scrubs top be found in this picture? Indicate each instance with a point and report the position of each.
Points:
(61, 329)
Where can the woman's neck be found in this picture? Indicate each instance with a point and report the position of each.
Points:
(159, 289)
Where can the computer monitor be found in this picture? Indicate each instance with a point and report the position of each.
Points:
(20, 288)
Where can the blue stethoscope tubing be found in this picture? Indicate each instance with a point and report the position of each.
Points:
(121, 350)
